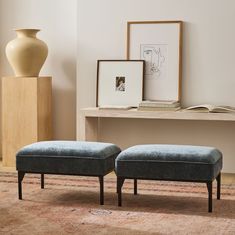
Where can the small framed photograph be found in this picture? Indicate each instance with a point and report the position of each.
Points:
(119, 83)
(159, 43)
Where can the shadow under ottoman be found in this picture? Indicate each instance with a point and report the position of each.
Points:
(67, 158)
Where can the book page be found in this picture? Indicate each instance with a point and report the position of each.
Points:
(201, 108)
(223, 109)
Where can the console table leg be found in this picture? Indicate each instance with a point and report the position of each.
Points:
(91, 129)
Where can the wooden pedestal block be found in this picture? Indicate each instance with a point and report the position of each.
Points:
(26, 113)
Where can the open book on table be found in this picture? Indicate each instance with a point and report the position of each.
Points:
(211, 108)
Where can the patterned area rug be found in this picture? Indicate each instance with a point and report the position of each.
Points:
(70, 205)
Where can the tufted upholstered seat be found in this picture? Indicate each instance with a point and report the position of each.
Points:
(66, 158)
(170, 162)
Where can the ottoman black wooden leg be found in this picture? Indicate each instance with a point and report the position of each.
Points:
(120, 182)
(101, 179)
(20, 179)
(209, 188)
(42, 180)
(135, 186)
(218, 179)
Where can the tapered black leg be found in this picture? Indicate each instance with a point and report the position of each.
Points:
(101, 179)
(117, 186)
(20, 179)
(42, 180)
(135, 186)
(209, 188)
(218, 179)
(120, 182)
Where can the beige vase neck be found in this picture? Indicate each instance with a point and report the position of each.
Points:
(26, 32)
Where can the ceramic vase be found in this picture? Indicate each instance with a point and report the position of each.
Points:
(26, 53)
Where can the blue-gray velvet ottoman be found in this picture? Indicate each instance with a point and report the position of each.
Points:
(169, 162)
(67, 158)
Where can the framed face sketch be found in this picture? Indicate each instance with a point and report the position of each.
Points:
(119, 83)
(159, 43)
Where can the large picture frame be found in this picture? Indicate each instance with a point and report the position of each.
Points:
(159, 43)
(119, 83)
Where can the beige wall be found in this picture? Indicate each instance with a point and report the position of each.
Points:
(208, 67)
(57, 20)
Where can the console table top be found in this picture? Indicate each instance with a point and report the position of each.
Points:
(174, 115)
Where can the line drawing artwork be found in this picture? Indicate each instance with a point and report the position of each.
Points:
(155, 56)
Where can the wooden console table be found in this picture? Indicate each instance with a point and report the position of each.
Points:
(91, 117)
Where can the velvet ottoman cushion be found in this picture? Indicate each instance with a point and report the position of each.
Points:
(67, 157)
(169, 162)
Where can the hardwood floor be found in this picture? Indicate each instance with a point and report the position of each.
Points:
(228, 178)
(6, 169)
